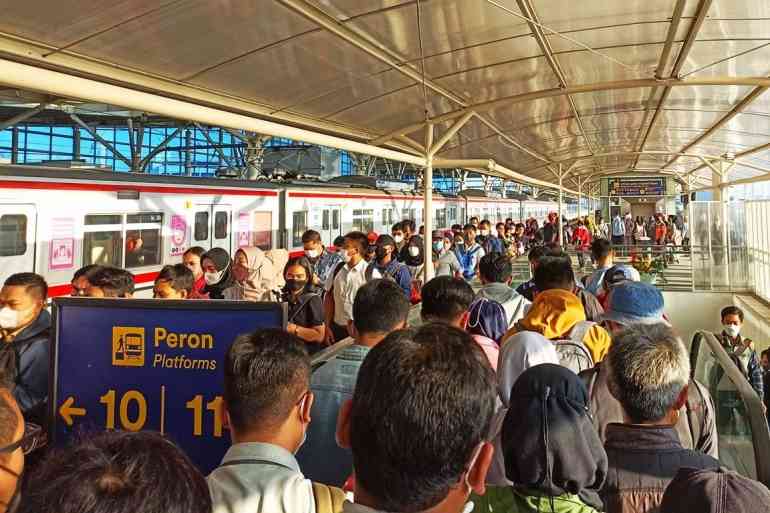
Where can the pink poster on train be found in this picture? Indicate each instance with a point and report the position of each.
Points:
(244, 230)
(178, 235)
(61, 253)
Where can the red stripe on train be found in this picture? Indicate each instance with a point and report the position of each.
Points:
(69, 186)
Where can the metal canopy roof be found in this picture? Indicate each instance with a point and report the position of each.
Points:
(592, 88)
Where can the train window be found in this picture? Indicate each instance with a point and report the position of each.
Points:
(103, 248)
(440, 220)
(221, 220)
(143, 239)
(298, 227)
(336, 219)
(387, 217)
(325, 220)
(363, 220)
(201, 231)
(99, 219)
(13, 235)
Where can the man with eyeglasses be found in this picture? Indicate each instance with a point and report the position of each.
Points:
(12, 443)
(267, 403)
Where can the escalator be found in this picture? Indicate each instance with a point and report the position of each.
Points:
(744, 438)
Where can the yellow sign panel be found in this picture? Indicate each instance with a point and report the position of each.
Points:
(127, 346)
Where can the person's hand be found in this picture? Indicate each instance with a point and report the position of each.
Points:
(291, 328)
(328, 337)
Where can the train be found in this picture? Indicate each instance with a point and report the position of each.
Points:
(55, 220)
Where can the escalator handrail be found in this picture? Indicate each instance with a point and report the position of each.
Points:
(759, 428)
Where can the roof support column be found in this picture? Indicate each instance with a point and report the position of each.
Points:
(427, 217)
(15, 145)
(23, 116)
(205, 133)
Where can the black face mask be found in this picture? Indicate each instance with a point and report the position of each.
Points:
(295, 285)
(381, 252)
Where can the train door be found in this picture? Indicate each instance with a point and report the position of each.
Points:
(331, 223)
(17, 239)
(213, 226)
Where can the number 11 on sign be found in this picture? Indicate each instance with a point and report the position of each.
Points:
(196, 405)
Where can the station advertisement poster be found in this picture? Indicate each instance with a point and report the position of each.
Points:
(61, 252)
(178, 235)
(146, 364)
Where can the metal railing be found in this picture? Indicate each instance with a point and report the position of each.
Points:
(742, 427)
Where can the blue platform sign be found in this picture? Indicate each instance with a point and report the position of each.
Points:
(148, 365)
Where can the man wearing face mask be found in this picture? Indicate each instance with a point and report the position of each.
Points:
(267, 403)
(743, 353)
(386, 266)
(397, 231)
(342, 285)
(444, 259)
(487, 240)
(25, 331)
(11, 451)
(322, 260)
(411, 252)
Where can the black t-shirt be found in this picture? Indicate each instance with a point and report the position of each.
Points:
(307, 312)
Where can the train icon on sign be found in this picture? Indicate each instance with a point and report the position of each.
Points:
(127, 346)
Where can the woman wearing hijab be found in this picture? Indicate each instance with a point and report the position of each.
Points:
(305, 316)
(413, 256)
(553, 455)
(487, 323)
(254, 277)
(517, 354)
(217, 272)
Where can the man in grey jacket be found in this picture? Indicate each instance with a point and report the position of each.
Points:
(495, 272)
(640, 304)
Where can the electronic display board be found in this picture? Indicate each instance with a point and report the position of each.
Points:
(626, 187)
(139, 364)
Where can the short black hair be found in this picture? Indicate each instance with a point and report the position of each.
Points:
(380, 306)
(423, 402)
(536, 253)
(766, 352)
(498, 225)
(34, 284)
(469, 226)
(408, 224)
(85, 270)
(339, 240)
(178, 276)
(553, 249)
(473, 217)
(496, 268)
(485, 222)
(446, 297)
(397, 227)
(118, 472)
(359, 239)
(456, 227)
(114, 282)
(554, 273)
(195, 250)
(266, 372)
(311, 236)
(601, 248)
(732, 310)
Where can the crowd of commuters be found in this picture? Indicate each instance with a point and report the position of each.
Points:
(560, 396)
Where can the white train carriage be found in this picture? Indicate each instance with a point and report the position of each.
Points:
(54, 221)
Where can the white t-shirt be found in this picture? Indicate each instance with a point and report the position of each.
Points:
(345, 285)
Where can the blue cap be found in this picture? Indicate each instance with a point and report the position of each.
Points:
(487, 318)
(634, 302)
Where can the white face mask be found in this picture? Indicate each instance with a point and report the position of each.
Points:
(414, 251)
(213, 278)
(398, 238)
(438, 246)
(484, 233)
(11, 319)
(311, 253)
(731, 329)
(345, 256)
